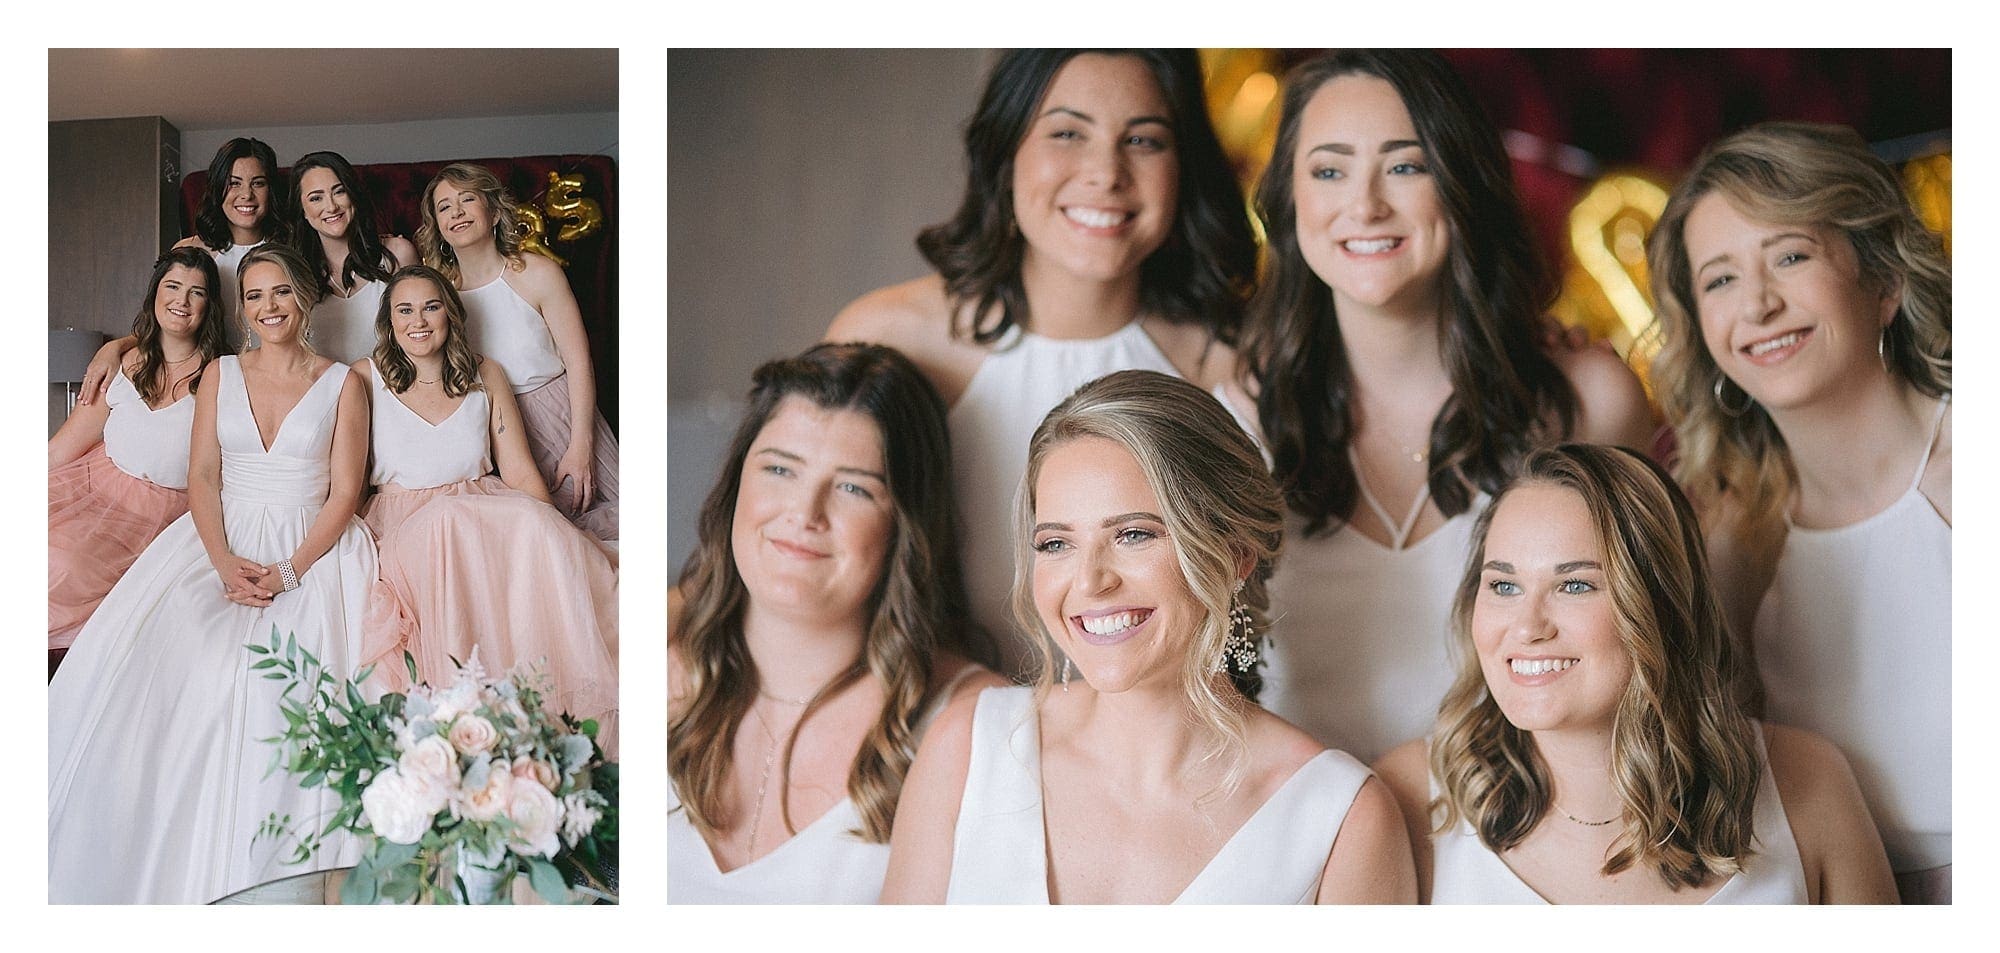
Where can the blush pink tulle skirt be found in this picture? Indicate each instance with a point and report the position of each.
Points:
(545, 414)
(100, 519)
(478, 564)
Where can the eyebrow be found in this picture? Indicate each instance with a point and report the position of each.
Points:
(1766, 243)
(1086, 117)
(1345, 149)
(788, 455)
(1109, 521)
(1571, 566)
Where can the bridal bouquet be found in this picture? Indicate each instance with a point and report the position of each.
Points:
(455, 791)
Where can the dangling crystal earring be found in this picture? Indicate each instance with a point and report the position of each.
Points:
(1065, 674)
(1719, 402)
(1241, 645)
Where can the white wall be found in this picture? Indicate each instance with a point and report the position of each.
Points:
(422, 141)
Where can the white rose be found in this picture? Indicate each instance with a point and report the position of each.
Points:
(396, 809)
(471, 734)
(489, 800)
(580, 816)
(431, 761)
(538, 818)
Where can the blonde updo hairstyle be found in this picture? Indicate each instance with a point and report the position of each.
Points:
(304, 280)
(1803, 174)
(1221, 509)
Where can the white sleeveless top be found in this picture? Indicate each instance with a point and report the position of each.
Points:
(1000, 846)
(413, 453)
(226, 261)
(1853, 641)
(1465, 870)
(825, 862)
(146, 443)
(1022, 379)
(502, 325)
(1360, 650)
(344, 328)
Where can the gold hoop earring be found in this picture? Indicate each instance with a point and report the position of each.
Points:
(1719, 402)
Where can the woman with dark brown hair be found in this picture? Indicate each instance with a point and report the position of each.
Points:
(1100, 230)
(332, 224)
(817, 627)
(1394, 345)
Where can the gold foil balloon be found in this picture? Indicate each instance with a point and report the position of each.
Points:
(565, 203)
(533, 231)
(1605, 282)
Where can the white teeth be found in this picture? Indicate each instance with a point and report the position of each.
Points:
(1544, 666)
(1766, 347)
(1093, 218)
(1371, 246)
(1115, 622)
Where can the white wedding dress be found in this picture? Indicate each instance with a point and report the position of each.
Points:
(157, 763)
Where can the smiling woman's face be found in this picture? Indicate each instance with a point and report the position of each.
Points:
(814, 518)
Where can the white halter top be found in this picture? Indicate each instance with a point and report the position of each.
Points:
(1853, 640)
(502, 325)
(146, 443)
(1465, 870)
(344, 328)
(413, 453)
(1000, 846)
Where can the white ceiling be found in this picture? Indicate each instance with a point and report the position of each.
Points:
(314, 87)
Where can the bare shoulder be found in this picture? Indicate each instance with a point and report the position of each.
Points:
(1936, 484)
(401, 249)
(492, 375)
(535, 272)
(1611, 404)
(1194, 351)
(1278, 746)
(948, 741)
(1810, 771)
(192, 241)
(363, 368)
(889, 314)
(914, 317)
(1406, 770)
(976, 677)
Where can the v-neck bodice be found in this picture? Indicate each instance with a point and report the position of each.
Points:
(297, 468)
(414, 453)
(1000, 847)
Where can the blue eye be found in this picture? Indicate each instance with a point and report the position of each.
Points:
(1052, 545)
(1408, 168)
(1718, 282)
(855, 489)
(777, 469)
(1576, 587)
(1504, 587)
(1326, 175)
(1133, 534)
(1792, 258)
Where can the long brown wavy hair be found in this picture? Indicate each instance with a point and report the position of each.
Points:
(1788, 173)
(506, 220)
(1506, 394)
(918, 608)
(1685, 758)
(1201, 274)
(207, 335)
(1220, 507)
(461, 366)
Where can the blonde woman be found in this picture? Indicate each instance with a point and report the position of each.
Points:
(1592, 749)
(815, 632)
(158, 778)
(1807, 361)
(1144, 773)
(519, 311)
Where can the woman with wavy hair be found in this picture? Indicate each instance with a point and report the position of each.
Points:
(813, 634)
(1147, 527)
(1806, 367)
(1394, 348)
(473, 562)
(158, 776)
(1593, 748)
(239, 211)
(332, 224)
(118, 468)
(520, 312)
(1100, 230)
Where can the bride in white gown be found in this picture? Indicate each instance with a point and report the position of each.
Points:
(157, 779)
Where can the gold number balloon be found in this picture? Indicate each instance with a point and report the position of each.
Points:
(533, 231)
(565, 203)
